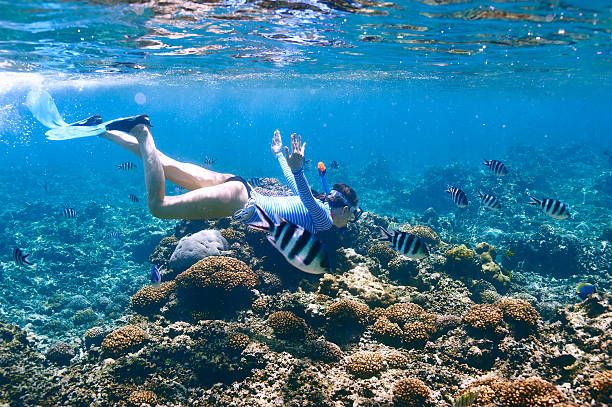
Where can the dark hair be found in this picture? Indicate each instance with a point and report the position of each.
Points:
(336, 201)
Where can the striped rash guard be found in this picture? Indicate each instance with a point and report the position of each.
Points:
(303, 209)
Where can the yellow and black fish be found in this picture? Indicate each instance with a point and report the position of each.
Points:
(509, 253)
(466, 399)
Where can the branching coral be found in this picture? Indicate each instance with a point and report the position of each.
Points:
(214, 281)
(405, 323)
(286, 325)
(347, 313)
(238, 341)
(365, 364)
(149, 299)
(484, 317)
(410, 393)
(601, 385)
(530, 392)
(139, 397)
(126, 339)
(517, 312)
(382, 252)
(460, 254)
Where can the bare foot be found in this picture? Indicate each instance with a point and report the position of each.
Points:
(141, 132)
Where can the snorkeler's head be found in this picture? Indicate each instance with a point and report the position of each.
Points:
(344, 205)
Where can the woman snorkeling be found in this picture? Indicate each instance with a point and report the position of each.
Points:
(211, 194)
(216, 195)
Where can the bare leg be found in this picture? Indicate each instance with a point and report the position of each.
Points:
(188, 176)
(204, 203)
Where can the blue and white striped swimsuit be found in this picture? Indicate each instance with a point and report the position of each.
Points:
(303, 209)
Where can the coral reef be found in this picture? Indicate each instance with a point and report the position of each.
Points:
(286, 325)
(139, 397)
(365, 364)
(347, 314)
(601, 386)
(410, 392)
(216, 284)
(530, 392)
(121, 341)
(518, 313)
(60, 353)
(150, 298)
(484, 317)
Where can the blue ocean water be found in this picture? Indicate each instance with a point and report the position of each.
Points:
(405, 96)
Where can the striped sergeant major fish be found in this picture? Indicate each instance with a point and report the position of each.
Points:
(458, 196)
(405, 243)
(69, 212)
(497, 167)
(551, 207)
(133, 198)
(113, 235)
(20, 258)
(489, 201)
(126, 166)
(256, 182)
(300, 248)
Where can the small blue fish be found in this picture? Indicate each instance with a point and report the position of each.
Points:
(20, 258)
(114, 235)
(584, 290)
(133, 198)
(155, 275)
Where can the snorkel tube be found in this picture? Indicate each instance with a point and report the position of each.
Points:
(322, 171)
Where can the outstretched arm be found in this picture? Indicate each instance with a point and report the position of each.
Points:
(277, 150)
(317, 210)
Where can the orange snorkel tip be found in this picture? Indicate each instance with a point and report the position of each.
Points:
(321, 166)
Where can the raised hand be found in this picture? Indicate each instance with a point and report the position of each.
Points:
(277, 143)
(296, 157)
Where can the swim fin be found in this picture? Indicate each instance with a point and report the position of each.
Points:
(43, 108)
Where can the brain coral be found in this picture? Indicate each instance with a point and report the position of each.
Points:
(216, 280)
(126, 339)
(601, 385)
(484, 317)
(149, 299)
(518, 312)
(326, 351)
(287, 325)
(530, 392)
(410, 393)
(365, 364)
(140, 397)
(347, 313)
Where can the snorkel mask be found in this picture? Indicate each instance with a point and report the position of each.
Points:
(357, 211)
